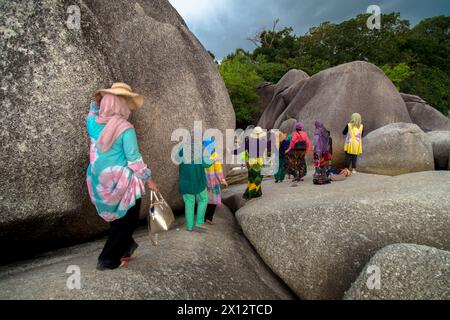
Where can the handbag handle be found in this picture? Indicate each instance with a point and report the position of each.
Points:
(152, 203)
(153, 193)
(158, 198)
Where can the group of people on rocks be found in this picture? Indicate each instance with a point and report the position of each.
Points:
(292, 150)
(200, 182)
(117, 175)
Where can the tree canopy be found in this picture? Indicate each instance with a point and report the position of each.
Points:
(416, 59)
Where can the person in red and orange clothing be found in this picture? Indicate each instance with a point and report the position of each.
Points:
(296, 152)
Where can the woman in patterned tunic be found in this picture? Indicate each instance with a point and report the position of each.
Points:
(214, 180)
(117, 174)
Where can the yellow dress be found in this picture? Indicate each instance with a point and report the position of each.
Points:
(353, 143)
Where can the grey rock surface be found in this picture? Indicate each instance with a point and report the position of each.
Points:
(319, 238)
(265, 92)
(407, 272)
(424, 115)
(441, 148)
(185, 266)
(288, 126)
(290, 78)
(284, 91)
(333, 95)
(48, 73)
(232, 196)
(396, 149)
(160, 58)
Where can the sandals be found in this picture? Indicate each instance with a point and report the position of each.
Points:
(130, 254)
(200, 229)
(124, 262)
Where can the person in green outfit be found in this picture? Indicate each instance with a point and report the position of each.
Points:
(284, 145)
(192, 186)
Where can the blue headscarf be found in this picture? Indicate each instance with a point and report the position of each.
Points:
(210, 146)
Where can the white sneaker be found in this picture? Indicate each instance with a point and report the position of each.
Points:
(354, 171)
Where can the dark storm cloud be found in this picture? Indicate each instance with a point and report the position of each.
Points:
(224, 25)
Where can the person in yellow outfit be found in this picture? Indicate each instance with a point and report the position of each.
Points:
(353, 144)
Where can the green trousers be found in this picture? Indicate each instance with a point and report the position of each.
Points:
(189, 203)
(281, 174)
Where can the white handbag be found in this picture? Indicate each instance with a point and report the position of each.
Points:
(160, 217)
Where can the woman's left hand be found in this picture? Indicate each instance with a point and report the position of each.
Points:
(153, 186)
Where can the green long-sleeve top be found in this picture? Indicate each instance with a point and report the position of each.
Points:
(192, 176)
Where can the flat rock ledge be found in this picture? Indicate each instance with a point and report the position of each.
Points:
(318, 239)
(185, 266)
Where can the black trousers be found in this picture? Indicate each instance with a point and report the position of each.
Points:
(350, 159)
(210, 210)
(120, 238)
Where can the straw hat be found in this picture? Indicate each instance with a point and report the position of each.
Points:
(258, 132)
(133, 99)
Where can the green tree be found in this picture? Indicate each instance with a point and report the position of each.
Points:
(351, 40)
(270, 71)
(417, 60)
(429, 42)
(241, 80)
(277, 46)
(308, 64)
(398, 74)
(432, 84)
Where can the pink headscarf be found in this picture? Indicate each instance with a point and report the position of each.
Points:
(114, 113)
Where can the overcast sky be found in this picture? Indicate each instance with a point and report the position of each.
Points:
(224, 25)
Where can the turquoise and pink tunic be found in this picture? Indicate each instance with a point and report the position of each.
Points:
(116, 178)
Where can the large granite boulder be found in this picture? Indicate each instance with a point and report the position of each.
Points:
(288, 126)
(441, 148)
(319, 238)
(425, 116)
(265, 92)
(290, 78)
(407, 272)
(185, 266)
(333, 95)
(284, 92)
(161, 59)
(48, 72)
(396, 149)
